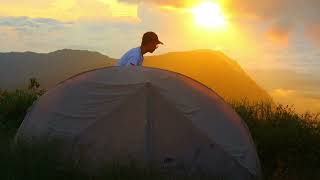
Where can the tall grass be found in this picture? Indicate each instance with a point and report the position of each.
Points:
(288, 143)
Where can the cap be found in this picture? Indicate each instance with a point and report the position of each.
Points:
(150, 36)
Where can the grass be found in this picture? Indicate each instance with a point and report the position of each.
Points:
(288, 143)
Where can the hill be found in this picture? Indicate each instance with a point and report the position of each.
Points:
(16, 68)
(214, 69)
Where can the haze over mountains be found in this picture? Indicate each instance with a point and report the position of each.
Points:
(16, 68)
(212, 68)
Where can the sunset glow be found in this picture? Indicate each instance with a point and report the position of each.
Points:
(209, 15)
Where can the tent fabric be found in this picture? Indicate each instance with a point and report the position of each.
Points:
(147, 114)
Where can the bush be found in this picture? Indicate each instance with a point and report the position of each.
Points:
(14, 105)
(288, 143)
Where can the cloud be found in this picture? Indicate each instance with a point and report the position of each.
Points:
(283, 93)
(176, 3)
(253, 24)
(302, 101)
(69, 10)
(8, 33)
(313, 34)
(287, 93)
(282, 21)
(278, 35)
(20, 22)
(291, 14)
(262, 8)
(46, 35)
(25, 29)
(25, 33)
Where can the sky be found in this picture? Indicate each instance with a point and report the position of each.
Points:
(264, 34)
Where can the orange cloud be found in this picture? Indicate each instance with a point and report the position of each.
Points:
(262, 8)
(299, 99)
(284, 93)
(176, 3)
(278, 35)
(313, 33)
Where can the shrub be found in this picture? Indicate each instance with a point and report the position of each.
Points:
(14, 105)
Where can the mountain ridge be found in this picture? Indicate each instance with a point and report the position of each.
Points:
(212, 68)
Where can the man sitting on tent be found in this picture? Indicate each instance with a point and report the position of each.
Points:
(134, 57)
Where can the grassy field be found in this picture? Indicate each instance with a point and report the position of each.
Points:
(288, 143)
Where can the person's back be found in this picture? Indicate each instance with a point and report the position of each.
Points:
(134, 57)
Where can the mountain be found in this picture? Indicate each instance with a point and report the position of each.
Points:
(16, 68)
(212, 68)
(215, 70)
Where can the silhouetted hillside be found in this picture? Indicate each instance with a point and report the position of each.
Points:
(16, 68)
(213, 69)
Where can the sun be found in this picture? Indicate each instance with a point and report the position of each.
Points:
(209, 15)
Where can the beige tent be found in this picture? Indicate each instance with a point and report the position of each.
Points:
(145, 114)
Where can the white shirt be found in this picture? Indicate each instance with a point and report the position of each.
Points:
(132, 57)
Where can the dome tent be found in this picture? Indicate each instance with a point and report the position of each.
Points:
(147, 114)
